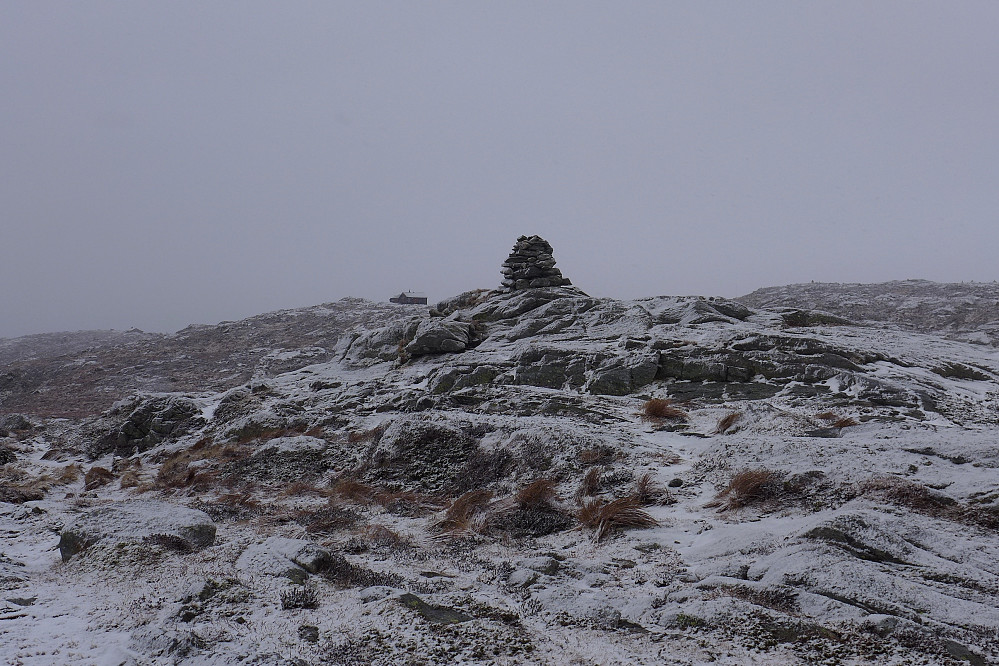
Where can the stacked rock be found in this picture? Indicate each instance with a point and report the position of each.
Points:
(531, 265)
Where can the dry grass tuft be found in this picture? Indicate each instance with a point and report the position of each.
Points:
(129, 479)
(460, 516)
(648, 492)
(302, 488)
(193, 467)
(354, 491)
(590, 485)
(750, 486)
(371, 435)
(913, 496)
(726, 422)
(69, 474)
(97, 477)
(606, 517)
(380, 536)
(836, 421)
(405, 502)
(600, 455)
(662, 409)
(327, 519)
(539, 494)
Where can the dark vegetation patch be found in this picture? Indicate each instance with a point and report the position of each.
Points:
(172, 542)
(928, 502)
(961, 371)
(483, 468)
(342, 573)
(299, 597)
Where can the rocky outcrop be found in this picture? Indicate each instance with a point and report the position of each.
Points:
(132, 521)
(149, 422)
(531, 265)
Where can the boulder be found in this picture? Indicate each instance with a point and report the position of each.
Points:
(437, 336)
(280, 556)
(416, 450)
(135, 520)
(150, 421)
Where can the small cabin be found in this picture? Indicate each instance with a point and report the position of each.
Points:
(410, 298)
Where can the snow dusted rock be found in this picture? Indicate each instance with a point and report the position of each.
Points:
(134, 520)
(279, 556)
(149, 422)
(438, 336)
(423, 451)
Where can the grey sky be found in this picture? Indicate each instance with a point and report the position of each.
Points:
(166, 163)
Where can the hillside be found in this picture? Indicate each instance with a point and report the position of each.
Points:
(966, 311)
(522, 476)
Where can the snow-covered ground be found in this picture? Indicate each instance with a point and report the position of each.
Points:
(870, 535)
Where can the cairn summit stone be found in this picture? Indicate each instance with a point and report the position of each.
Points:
(531, 265)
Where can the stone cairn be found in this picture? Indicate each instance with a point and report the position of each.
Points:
(531, 265)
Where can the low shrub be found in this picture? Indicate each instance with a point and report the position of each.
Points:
(170, 542)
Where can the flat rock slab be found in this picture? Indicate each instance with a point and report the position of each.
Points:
(438, 614)
(136, 520)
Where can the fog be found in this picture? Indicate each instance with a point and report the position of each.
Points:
(168, 163)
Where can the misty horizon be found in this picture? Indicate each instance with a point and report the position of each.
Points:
(189, 163)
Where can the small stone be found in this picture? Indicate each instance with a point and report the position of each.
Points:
(675, 483)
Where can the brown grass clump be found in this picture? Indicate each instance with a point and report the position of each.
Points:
(605, 517)
(913, 496)
(590, 485)
(405, 502)
(600, 455)
(462, 512)
(176, 470)
(836, 421)
(538, 494)
(354, 491)
(97, 477)
(648, 492)
(327, 519)
(750, 486)
(302, 488)
(662, 409)
(358, 436)
(726, 422)
(380, 536)
(129, 479)
(69, 474)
